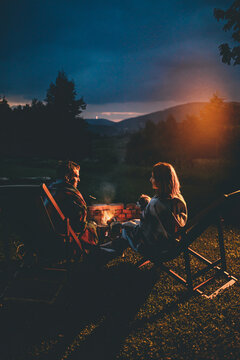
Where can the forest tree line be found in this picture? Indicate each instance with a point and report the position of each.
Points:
(53, 128)
(215, 133)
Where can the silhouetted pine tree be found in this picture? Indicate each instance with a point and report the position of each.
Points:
(66, 132)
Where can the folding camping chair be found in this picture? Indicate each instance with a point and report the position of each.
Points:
(23, 208)
(69, 236)
(212, 215)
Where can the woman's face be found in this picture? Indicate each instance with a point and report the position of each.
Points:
(153, 182)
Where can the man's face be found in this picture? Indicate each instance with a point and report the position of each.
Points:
(76, 178)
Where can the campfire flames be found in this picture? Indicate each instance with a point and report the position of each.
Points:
(107, 215)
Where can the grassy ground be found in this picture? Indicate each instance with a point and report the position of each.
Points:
(123, 312)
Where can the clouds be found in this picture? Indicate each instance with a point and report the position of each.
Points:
(115, 51)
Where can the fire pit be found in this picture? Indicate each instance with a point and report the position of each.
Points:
(102, 213)
(108, 216)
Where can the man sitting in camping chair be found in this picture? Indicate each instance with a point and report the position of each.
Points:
(72, 204)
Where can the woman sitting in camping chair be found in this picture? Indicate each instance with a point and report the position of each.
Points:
(154, 235)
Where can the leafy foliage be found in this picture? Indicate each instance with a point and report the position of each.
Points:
(232, 18)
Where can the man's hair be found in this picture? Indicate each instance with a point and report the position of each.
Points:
(65, 170)
(166, 180)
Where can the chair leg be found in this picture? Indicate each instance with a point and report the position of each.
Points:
(67, 244)
(188, 269)
(221, 245)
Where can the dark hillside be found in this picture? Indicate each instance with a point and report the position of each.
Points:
(179, 112)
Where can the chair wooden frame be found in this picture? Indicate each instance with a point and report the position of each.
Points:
(213, 215)
(67, 237)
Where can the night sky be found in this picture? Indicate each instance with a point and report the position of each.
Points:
(125, 57)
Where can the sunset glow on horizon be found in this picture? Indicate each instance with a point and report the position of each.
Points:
(138, 67)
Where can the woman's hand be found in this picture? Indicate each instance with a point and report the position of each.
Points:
(143, 201)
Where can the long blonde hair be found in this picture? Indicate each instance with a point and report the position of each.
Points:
(166, 180)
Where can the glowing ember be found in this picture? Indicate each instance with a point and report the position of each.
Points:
(106, 215)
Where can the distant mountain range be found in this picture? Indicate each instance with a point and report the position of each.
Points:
(179, 112)
(103, 127)
(101, 122)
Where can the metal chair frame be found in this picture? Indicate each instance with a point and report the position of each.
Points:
(213, 215)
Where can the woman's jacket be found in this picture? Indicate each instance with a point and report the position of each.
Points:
(161, 220)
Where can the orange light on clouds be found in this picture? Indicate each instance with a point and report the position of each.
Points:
(117, 116)
(18, 101)
(110, 113)
(200, 86)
